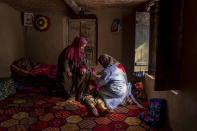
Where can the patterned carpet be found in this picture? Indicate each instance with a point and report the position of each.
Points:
(30, 111)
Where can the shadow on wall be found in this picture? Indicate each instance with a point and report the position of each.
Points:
(181, 107)
(128, 43)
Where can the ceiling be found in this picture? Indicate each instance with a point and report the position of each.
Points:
(38, 5)
(109, 3)
(59, 5)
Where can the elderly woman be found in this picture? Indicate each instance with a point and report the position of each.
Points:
(113, 83)
(68, 63)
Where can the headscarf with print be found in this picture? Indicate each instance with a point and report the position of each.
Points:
(74, 51)
(106, 60)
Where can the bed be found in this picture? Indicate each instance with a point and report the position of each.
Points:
(30, 73)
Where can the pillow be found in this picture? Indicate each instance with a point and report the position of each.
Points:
(138, 92)
(6, 87)
(24, 63)
(155, 115)
(20, 72)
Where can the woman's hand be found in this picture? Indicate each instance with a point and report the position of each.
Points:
(98, 76)
(95, 76)
(70, 74)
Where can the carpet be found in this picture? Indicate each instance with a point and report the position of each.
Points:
(30, 111)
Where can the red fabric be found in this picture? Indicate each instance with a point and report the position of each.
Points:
(33, 89)
(43, 114)
(41, 75)
(83, 67)
(53, 72)
(20, 71)
(39, 125)
(93, 71)
(74, 51)
(91, 82)
(120, 66)
(102, 128)
(43, 69)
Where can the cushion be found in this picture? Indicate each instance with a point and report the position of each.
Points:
(138, 92)
(42, 69)
(155, 115)
(6, 87)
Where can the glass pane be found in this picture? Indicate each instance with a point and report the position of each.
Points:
(142, 41)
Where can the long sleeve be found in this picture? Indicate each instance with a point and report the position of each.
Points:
(113, 86)
(66, 65)
(104, 79)
(84, 61)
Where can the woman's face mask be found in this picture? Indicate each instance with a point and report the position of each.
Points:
(83, 71)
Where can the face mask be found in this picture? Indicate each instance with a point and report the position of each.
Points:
(83, 71)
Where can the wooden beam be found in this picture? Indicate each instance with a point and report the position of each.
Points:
(73, 5)
(150, 3)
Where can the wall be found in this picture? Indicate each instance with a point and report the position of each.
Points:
(189, 49)
(45, 46)
(181, 108)
(11, 38)
(119, 45)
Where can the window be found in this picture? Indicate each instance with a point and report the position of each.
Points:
(147, 38)
(165, 44)
(142, 41)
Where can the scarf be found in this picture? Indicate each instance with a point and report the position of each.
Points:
(74, 51)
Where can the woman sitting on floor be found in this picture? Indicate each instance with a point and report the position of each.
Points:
(113, 89)
(107, 60)
(113, 82)
(112, 60)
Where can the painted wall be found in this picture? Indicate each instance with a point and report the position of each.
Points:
(45, 46)
(181, 108)
(119, 44)
(11, 38)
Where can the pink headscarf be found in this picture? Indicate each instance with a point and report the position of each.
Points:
(74, 51)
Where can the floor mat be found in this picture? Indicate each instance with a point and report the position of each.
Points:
(31, 111)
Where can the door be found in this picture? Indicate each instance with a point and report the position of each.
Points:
(85, 28)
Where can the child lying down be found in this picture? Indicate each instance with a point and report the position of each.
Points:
(87, 92)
